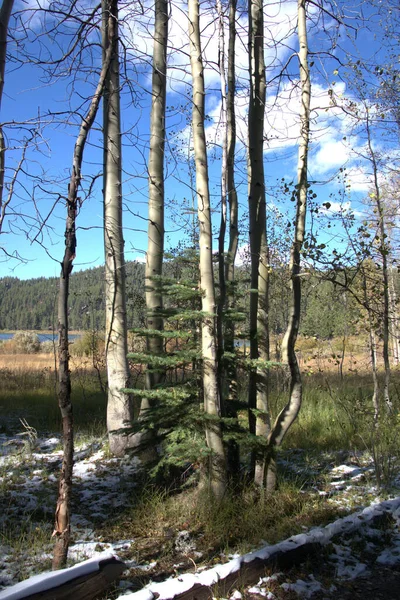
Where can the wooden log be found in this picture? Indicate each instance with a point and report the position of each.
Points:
(249, 573)
(85, 587)
(221, 580)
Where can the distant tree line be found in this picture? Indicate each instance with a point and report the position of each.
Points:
(328, 311)
(32, 304)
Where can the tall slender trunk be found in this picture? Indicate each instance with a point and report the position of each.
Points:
(62, 517)
(289, 413)
(259, 330)
(384, 252)
(372, 349)
(119, 407)
(233, 457)
(394, 318)
(222, 379)
(230, 179)
(217, 467)
(5, 13)
(155, 247)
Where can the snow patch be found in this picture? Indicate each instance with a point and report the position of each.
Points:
(45, 581)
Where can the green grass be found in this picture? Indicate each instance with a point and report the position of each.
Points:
(336, 415)
(32, 396)
(239, 522)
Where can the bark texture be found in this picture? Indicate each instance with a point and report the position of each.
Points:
(394, 319)
(217, 468)
(62, 516)
(119, 407)
(155, 248)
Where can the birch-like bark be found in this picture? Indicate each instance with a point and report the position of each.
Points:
(62, 525)
(289, 413)
(217, 467)
(119, 407)
(5, 13)
(259, 330)
(394, 319)
(155, 248)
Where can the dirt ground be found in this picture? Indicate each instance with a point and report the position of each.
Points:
(381, 583)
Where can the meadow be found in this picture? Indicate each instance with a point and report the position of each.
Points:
(334, 427)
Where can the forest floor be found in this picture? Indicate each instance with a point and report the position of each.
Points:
(158, 533)
(104, 487)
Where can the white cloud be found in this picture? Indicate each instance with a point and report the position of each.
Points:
(343, 208)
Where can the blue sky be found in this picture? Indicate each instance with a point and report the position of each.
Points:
(25, 96)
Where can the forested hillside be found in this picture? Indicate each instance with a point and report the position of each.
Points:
(32, 303)
(328, 311)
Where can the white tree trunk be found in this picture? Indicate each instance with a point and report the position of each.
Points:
(217, 470)
(394, 319)
(155, 248)
(119, 408)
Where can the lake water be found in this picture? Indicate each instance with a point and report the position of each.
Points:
(43, 337)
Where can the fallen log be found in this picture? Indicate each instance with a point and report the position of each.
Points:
(220, 580)
(85, 581)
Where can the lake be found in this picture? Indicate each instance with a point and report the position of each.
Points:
(43, 337)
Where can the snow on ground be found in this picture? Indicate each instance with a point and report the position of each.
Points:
(102, 486)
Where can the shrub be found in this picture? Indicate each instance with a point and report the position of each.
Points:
(47, 347)
(26, 342)
(90, 344)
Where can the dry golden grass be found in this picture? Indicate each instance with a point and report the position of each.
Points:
(41, 362)
(326, 356)
(314, 355)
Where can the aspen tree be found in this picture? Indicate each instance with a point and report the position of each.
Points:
(383, 249)
(155, 247)
(155, 237)
(217, 467)
(119, 407)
